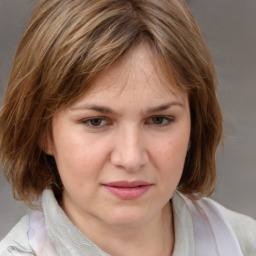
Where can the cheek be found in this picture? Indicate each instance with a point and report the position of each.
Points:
(80, 160)
(171, 153)
(169, 161)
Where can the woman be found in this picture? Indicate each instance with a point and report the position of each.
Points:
(111, 118)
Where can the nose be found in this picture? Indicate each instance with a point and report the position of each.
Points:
(129, 152)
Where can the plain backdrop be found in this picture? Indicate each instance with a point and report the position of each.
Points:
(230, 30)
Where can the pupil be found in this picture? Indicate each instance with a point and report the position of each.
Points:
(96, 122)
(158, 120)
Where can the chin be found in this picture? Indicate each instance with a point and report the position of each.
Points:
(128, 218)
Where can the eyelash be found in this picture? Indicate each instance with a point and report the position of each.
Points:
(88, 122)
(164, 121)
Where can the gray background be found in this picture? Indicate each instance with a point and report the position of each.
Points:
(229, 28)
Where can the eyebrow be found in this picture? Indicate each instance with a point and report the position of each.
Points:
(164, 107)
(97, 108)
(107, 110)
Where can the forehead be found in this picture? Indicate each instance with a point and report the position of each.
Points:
(140, 70)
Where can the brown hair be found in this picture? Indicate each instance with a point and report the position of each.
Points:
(65, 46)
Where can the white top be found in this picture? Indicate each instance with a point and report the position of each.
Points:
(68, 240)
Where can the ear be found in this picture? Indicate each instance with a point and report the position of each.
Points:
(189, 145)
(45, 143)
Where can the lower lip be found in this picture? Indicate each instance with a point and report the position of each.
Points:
(128, 193)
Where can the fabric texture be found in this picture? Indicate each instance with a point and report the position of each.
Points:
(68, 240)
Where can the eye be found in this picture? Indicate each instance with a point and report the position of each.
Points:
(160, 120)
(95, 122)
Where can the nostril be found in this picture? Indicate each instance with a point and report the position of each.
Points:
(128, 151)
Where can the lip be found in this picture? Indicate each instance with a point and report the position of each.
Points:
(128, 190)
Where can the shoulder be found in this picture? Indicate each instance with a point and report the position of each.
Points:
(244, 228)
(17, 237)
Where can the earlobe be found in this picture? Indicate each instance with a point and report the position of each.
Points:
(46, 145)
(189, 146)
(49, 149)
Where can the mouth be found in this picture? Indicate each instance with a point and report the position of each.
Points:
(128, 190)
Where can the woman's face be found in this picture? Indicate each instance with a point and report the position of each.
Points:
(120, 149)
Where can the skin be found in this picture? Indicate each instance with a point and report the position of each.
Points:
(134, 124)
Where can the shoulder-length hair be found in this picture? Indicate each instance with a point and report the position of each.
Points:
(66, 45)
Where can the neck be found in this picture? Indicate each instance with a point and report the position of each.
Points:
(155, 237)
